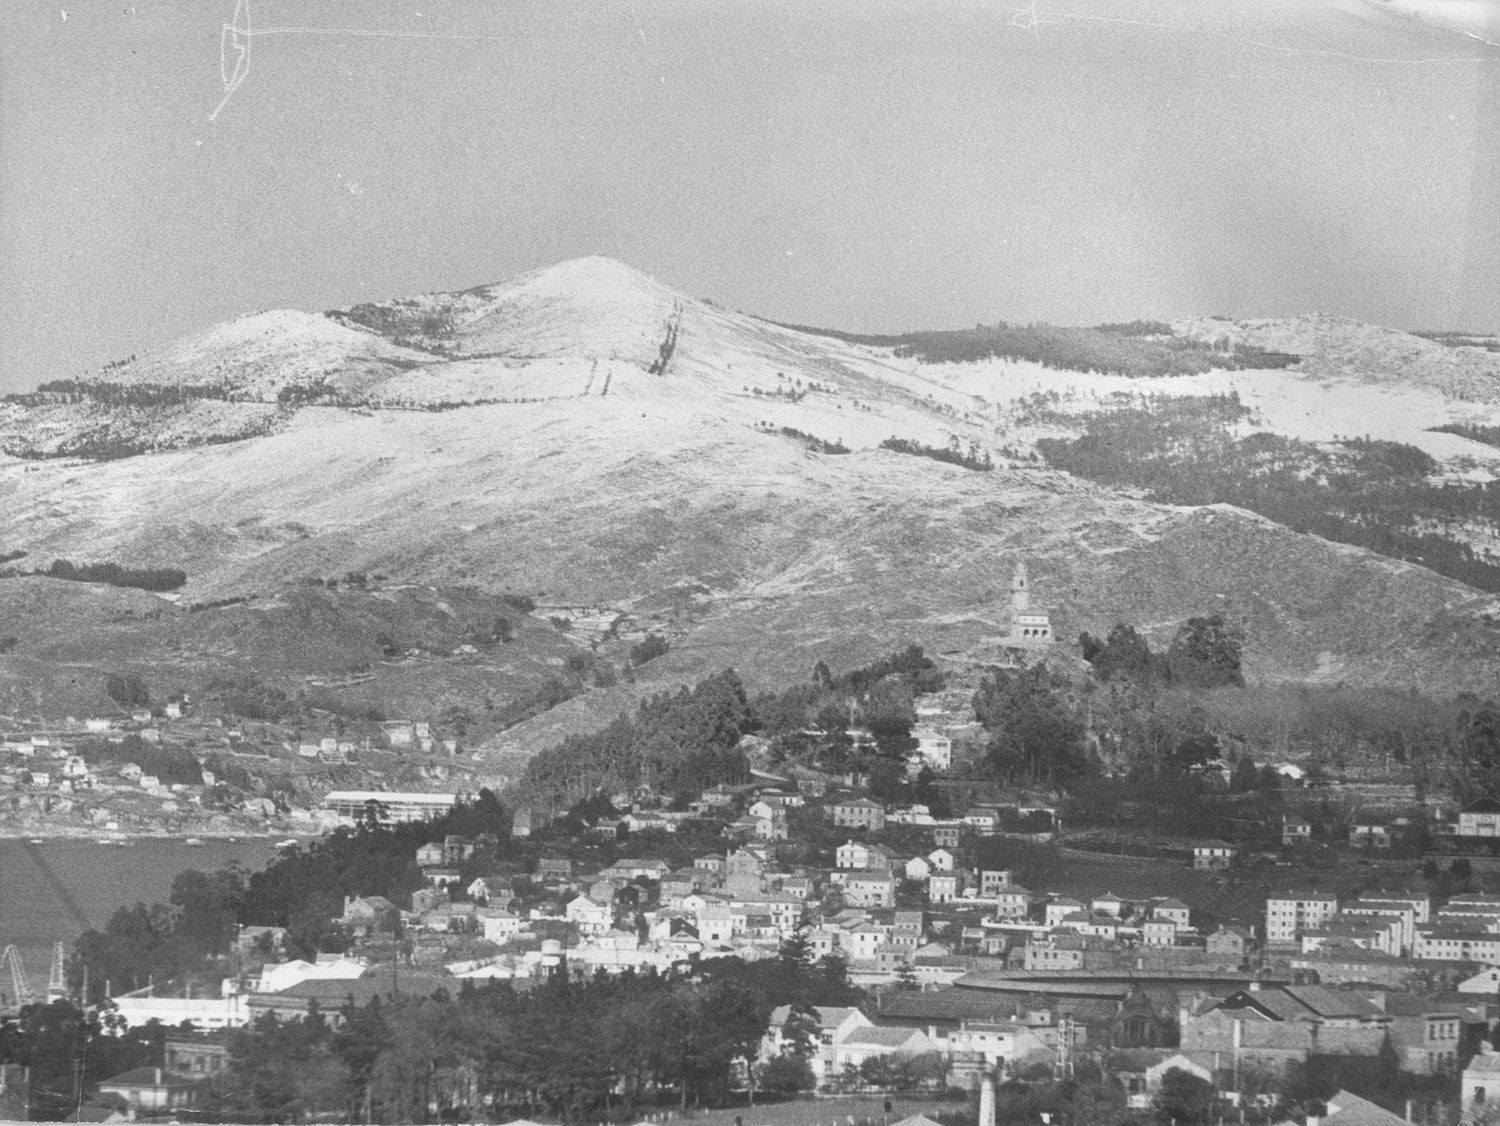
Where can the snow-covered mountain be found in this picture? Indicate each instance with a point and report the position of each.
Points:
(589, 436)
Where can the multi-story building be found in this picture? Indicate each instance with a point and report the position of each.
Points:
(1456, 944)
(873, 890)
(1482, 819)
(1289, 915)
(859, 813)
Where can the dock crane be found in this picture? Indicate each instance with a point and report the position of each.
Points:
(20, 993)
(57, 981)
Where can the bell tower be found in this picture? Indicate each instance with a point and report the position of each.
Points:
(1020, 591)
(1027, 626)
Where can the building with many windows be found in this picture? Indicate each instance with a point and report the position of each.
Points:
(1289, 915)
(352, 805)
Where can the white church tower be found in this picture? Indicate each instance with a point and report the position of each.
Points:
(1026, 627)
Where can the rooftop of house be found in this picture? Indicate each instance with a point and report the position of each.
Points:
(1345, 1109)
(829, 1016)
(878, 1036)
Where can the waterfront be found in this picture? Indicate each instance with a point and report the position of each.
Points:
(54, 890)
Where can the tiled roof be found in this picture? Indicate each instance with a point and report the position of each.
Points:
(1487, 1063)
(881, 1036)
(1345, 1109)
(1333, 1003)
(829, 1016)
(943, 1004)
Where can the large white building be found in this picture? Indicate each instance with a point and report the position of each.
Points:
(351, 805)
(1288, 916)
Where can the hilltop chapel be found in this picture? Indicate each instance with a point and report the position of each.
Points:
(1026, 626)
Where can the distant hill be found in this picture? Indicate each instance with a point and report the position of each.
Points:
(589, 437)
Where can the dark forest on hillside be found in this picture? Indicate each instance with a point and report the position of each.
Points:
(1372, 494)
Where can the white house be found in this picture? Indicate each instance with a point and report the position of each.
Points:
(941, 860)
(853, 855)
(834, 1024)
(1213, 854)
(499, 924)
(1486, 981)
(942, 889)
(935, 748)
(591, 918)
(1481, 1080)
(1481, 819)
(1059, 909)
(864, 1043)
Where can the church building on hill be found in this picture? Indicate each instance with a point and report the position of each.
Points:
(1027, 627)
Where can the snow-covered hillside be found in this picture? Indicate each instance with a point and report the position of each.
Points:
(527, 436)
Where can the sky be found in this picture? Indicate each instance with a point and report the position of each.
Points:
(873, 165)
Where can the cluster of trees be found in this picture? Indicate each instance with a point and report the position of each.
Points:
(650, 647)
(1204, 653)
(164, 941)
(408, 323)
(1036, 736)
(1372, 494)
(303, 890)
(679, 742)
(131, 432)
(297, 394)
(170, 763)
(1489, 435)
(1138, 349)
(245, 694)
(67, 1051)
(128, 690)
(130, 394)
(814, 720)
(572, 1049)
(811, 441)
(143, 578)
(1124, 744)
(953, 454)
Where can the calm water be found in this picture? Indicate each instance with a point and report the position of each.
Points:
(54, 891)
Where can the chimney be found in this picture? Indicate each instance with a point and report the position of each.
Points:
(987, 1100)
(158, 1077)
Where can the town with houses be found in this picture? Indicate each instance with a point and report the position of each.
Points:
(972, 978)
(995, 978)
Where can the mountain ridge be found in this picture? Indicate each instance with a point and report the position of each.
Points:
(586, 435)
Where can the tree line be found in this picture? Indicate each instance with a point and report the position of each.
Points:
(1139, 349)
(1369, 493)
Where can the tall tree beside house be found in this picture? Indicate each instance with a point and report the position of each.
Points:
(1183, 1099)
(787, 1074)
(63, 1046)
(800, 1031)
